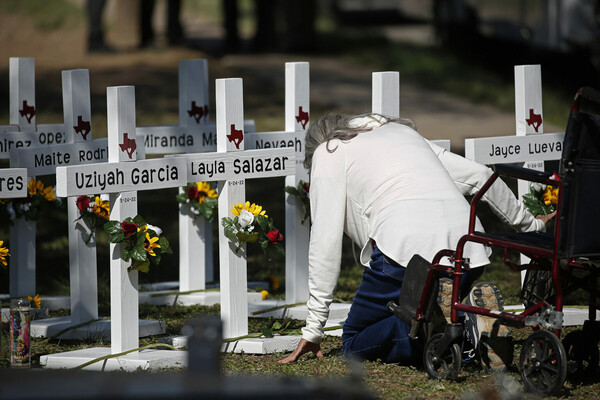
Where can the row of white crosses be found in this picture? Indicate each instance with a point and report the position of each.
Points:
(528, 146)
(125, 176)
(195, 133)
(23, 132)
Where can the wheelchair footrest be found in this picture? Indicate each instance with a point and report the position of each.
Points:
(415, 278)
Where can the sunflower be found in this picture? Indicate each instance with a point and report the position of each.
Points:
(34, 186)
(48, 193)
(37, 302)
(150, 244)
(255, 209)
(204, 191)
(550, 195)
(3, 253)
(101, 208)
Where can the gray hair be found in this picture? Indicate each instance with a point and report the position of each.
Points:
(338, 126)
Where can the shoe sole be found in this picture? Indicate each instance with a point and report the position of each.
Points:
(495, 345)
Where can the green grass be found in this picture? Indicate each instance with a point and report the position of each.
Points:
(47, 15)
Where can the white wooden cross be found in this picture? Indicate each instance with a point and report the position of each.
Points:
(230, 166)
(297, 120)
(122, 177)
(23, 132)
(194, 134)
(529, 146)
(385, 99)
(43, 160)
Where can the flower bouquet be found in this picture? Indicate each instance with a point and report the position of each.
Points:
(541, 199)
(92, 210)
(39, 198)
(301, 192)
(243, 228)
(140, 242)
(201, 199)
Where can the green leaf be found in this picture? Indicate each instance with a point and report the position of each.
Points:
(276, 326)
(117, 237)
(182, 198)
(247, 237)
(266, 332)
(139, 253)
(292, 190)
(139, 221)
(263, 222)
(112, 227)
(125, 253)
(165, 246)
(143, 266)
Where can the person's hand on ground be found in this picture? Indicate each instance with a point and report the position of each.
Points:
(303, 347)
(546, 218)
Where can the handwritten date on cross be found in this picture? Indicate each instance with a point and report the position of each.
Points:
(236, 136)
(128, 145)
(198, 112)
(302, 117)
(27, 111)
(534, 119)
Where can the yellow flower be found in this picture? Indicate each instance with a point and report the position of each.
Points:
(264, 294)
(101, 208)
(274, 281)
(3, 253)
(255, 209)
(204, 191)
(36, 301)
(550, 195)
(48, 193)
(34, 186)
(150, 243)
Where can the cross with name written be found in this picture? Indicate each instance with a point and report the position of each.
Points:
(195, 133)
(23, 133)
(122, 176)
(231, 166)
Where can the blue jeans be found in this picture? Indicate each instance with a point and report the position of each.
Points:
(371, 331)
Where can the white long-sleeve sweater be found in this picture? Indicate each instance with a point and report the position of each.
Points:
(406, 193)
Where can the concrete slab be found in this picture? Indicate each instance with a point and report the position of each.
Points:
(257, 310)
(144, 360)
(167, 297)
(93, 331)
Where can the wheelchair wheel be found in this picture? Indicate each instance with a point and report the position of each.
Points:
(543, 363)
(582, 355)
(444, 367)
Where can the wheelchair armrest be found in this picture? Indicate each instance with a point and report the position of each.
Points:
(522, 173)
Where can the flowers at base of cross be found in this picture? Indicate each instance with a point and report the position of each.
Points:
(3, 253)
(140, 242)
(39, 198)
(36, 301)
(93, 210)
(541, 199)
(301, 191)
(251, 224)
(201, 198)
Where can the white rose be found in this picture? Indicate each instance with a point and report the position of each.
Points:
(155, 229)
(538, 187)
(245, 218)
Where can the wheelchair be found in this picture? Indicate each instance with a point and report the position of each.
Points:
(560, 262)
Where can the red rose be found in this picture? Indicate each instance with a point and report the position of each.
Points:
(129, 228)
(192, 192)
(275, 237)
(83, 203)
(306, 187)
